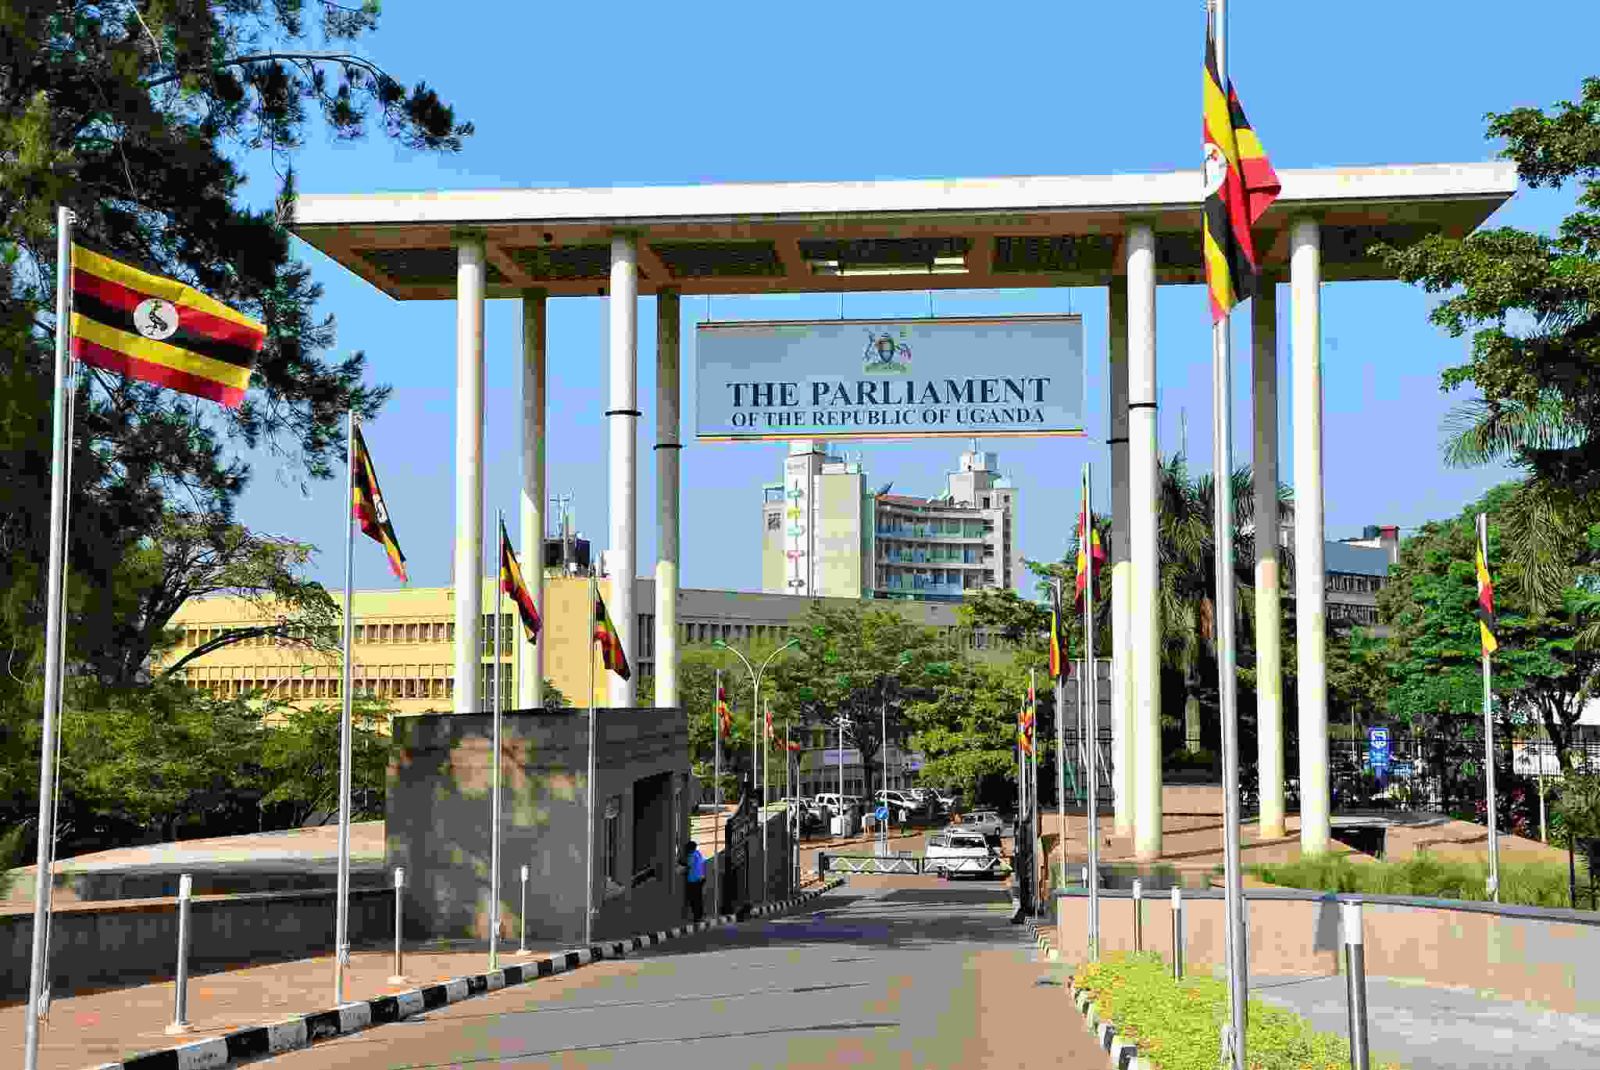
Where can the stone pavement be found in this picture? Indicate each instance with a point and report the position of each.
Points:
(102, 1027)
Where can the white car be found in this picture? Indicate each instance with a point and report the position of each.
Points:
(902, 805)
(954, 852)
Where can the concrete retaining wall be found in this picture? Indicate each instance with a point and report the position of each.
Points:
(117, 945)
(1546, 957)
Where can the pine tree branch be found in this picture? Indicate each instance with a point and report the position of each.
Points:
(347, 58)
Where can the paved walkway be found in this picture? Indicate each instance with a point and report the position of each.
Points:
(887, 972)
(89, 1030)
(1432, 1028)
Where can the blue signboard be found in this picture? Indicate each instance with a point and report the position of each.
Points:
(881, 813)
(1378, 749)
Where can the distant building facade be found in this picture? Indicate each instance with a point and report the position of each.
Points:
(825, 533)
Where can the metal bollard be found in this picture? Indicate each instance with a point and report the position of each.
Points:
(399, 975)
(1177, 933)
(522, 938)
(1356, 972)
(180, 1011)
(1138, 916)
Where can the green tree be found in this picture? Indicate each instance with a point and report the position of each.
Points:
(137, 117)
(966, 729)
(864, 666)
(1541, 671)
(300, 762)
(1532, 304)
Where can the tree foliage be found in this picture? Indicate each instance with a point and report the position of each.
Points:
(1532, 304)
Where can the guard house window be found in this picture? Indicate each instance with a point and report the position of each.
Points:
(612, 840)
(652, 828)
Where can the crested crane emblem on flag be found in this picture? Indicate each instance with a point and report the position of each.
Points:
(155, 318)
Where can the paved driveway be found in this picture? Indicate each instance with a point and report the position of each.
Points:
(906, 973)
(1430, 1028)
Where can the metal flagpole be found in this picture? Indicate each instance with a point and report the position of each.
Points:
(53, 645)
(1090, 688)
(341, 925)
(716, 787)
(588, 898)
(1488, 738)
(1061, 739)
(766, 771)
(494, 766)
(1227, 682)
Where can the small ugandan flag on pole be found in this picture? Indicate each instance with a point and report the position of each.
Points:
(159, 330)
(367, 503)
(1055, 631)
(512, 584)
(1240, 184)
(1484, 607)
(724, 718)
(605, 633)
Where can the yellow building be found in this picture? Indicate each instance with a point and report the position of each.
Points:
(403, 649)
(404, 642)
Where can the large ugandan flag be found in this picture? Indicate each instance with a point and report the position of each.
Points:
(1483, 609)
(159, 330)
(1240, 184)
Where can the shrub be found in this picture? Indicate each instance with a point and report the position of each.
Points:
(1178, 1024)
(1540, 884)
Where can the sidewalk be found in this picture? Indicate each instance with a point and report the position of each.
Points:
(85, 1031)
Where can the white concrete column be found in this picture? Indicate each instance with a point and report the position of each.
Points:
(1121, 567)
(668, 448)
(1143, 486)
(622, 558)
(1305, 279)
(1269, 612)
(530, 656)
(470, 274)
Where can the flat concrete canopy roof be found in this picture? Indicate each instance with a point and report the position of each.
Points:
(821, 237)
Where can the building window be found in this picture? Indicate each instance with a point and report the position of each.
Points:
(411, 633)
(612, 840)
(451, 631)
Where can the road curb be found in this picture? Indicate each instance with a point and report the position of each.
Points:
(304, 1031)
(1124, 1054)
(1043, 940)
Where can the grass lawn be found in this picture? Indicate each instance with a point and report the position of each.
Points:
(1539, 884)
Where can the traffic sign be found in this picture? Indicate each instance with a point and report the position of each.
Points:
(1378, 749)
(881, 813)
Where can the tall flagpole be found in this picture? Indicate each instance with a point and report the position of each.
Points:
(341, 924)
(588, 898)
(53, 644)
(1488, 738)
(1227, 683)
(494, 766)
(1060, 684)
(716, 787)
(1091, 691)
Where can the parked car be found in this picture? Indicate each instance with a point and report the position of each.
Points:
(956, 852)
(903, 806)
(832, 803)
(986, 823)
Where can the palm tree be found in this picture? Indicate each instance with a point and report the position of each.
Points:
(1187, 552)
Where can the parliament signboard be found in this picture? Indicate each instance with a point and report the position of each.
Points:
(908, 378)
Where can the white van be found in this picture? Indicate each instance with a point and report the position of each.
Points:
(956, 851)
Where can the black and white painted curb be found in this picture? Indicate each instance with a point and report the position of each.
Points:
(1043, 940)
(259, 1041)
(1124, 1055)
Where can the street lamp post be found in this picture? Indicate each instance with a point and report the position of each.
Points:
(755, 742)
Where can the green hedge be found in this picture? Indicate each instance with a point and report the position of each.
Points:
(1536, 884)
(1178, 1024)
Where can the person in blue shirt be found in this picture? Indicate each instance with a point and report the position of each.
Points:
(695, 883)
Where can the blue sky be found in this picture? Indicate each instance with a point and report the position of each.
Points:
(623, 94)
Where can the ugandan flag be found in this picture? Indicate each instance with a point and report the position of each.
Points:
(1056, 644)
(724, 718)
(1484, 609)
(1025, 728)
(770, 736)
(794, 746)
(370, 511)
(1090, 553)
(1240, 184)
(511, 583)
(605, 633)
(159, 330)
